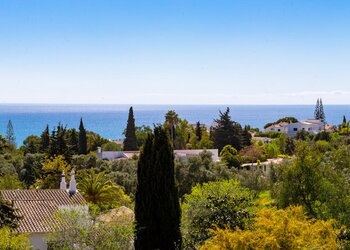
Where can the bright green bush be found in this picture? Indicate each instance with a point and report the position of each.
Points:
(214, 204)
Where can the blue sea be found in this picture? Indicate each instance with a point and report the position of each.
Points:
(110, 120)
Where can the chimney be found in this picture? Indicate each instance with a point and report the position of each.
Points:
(99, 153)
(99, 150)
(63, 185)
(72, 184)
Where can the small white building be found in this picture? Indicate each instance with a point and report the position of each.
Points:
(265, 166)
(312, 126)
(112, 155)
(37, 209)
(279, 127)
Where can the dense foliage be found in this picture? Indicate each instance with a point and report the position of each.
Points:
(214, 204)
(10, 240)
(8, 216)
(82, 232)
(100, 190)
(230, 156)
(219, 199)
(318, 179)
(200, 169)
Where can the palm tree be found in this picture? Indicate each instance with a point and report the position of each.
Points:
(98, 189)
(171, 118)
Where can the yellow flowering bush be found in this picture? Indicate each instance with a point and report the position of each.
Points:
(277, 229)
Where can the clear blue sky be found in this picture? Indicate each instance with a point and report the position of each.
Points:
(175, 51)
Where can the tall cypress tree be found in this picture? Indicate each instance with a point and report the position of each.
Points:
(82, 138)
(198, 131)
(130, 142)
(45, 140)
(157, 208)
(10, 134)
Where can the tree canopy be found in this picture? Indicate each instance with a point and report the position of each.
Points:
(227, 132)
(215, 204)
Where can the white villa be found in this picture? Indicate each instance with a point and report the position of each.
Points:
(312, 126)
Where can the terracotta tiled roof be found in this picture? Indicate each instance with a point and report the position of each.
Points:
(37, 207)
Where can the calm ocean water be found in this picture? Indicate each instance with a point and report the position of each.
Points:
(110, 120)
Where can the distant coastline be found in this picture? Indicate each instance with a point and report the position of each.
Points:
(109, 120)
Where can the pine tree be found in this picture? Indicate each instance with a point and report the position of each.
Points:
(10, 134)
(82, 139)
(317, 110)
(227, 132)
(198, 131)
(130, 142)
(157, 209)
(45, 140)
(322, 116)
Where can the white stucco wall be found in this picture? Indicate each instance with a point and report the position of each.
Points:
(38, 241)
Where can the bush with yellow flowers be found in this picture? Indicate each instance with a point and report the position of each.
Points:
(278, 229)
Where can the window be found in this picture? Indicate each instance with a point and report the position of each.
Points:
(295, 129)
(278, 130)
